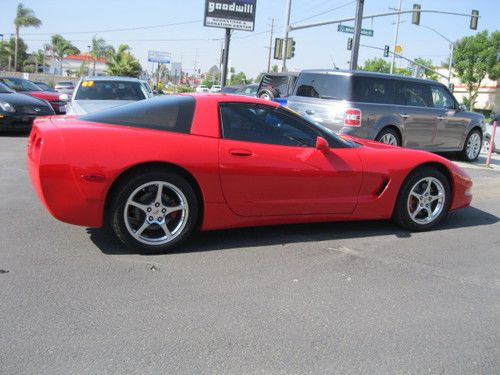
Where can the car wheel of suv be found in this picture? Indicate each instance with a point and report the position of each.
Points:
(154, 211)
(472, 146)
(423, 200)
(389, 137)
(268, 94)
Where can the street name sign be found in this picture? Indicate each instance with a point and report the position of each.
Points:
(350, 30)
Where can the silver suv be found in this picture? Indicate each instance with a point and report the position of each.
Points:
(397, 110)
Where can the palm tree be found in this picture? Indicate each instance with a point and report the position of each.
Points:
(98, 49)
(25, 17)
(123, 63)
(60, 48)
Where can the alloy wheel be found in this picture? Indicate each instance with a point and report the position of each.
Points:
(473, 146)
(426, 200)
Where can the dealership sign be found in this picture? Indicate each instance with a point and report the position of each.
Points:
(239, 14)
(159, 57)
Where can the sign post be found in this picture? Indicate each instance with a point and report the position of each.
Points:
(160, 58)
(228, 14)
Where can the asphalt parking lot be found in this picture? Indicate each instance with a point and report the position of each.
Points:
(347, 298)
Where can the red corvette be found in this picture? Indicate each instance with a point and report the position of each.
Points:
(158, 169)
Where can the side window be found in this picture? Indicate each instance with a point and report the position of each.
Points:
(441, 98)
(373, 90)
(412, 93)
(264, 124)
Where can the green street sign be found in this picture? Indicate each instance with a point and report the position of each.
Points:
(350, 30)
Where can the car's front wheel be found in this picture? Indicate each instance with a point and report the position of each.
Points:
(154, 211)
(423, 200)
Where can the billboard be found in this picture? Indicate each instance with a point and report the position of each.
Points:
(159, 57)
(238, 14)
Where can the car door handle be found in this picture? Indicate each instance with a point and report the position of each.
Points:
(441, 117)
(404, 115)
(240, 152)
(310, 112)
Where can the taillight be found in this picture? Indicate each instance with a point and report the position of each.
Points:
(352, 117)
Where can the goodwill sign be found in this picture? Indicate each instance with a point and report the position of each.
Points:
(239, 14)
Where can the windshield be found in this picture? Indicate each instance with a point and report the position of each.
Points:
(110, 90)
(19, 84)
(4, 89)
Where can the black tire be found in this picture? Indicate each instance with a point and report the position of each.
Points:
(268, 94)
(406, 205)
(388, 132)
(152, 237)
(471, 156)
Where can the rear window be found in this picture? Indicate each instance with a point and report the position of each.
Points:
(373, 90)
(110, 90)
(323, 86)
(415, 94)
(171, 113)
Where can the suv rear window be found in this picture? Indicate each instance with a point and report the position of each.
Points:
(323, 86)
(171, 113)
(373, 90)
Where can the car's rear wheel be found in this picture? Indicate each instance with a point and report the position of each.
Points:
(389, 137)
(423, 200)
(472, 146)
(154, 211)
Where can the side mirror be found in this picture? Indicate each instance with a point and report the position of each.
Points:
(462, 107)
(322, 144)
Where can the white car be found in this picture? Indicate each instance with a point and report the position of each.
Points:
(487, 138)
(215, 88)
(202, 88)
(94, 94)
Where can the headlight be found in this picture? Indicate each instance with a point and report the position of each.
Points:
(7, 107)
(64, 97)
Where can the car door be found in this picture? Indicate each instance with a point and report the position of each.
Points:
(419, 117)
(269, 165)
(452, 124)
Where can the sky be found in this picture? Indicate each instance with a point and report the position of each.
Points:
(178, 29)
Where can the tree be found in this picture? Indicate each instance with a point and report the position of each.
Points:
(7, 49)
(274, 68)
(60, 48)
(123, 63)
(238, 79)
(25, 17)
(475, 58)
(98, 49)
(376, 65)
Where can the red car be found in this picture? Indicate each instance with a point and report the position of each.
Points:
(158, 169)
(24, 86)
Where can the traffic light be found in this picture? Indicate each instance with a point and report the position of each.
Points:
(290, 48)
(349, 44)
(415, 17)
(278, 48)
(386, 51)
(473, 19)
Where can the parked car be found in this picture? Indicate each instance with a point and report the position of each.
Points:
(202, 88)
(229, 89)
(488, 136)
(93, 94)
(276, 86)
(161, 168)
(44, 86)
(65, 87)
(248, 90)
(24, 86)
(17, 111)
(396, 110)
(215, 88)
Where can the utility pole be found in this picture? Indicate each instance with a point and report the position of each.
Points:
(353, 65)
(195, 62)
(285, 35)
(270, 46)
(225, 59)
(393, 60)
(450, 64)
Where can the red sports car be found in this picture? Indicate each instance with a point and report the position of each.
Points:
(158, 169)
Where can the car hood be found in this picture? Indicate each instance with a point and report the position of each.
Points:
(81, 107)
(46, 95)
(19, 99)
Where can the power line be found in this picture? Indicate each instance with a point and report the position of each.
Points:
(326, 11)
(116, 30)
